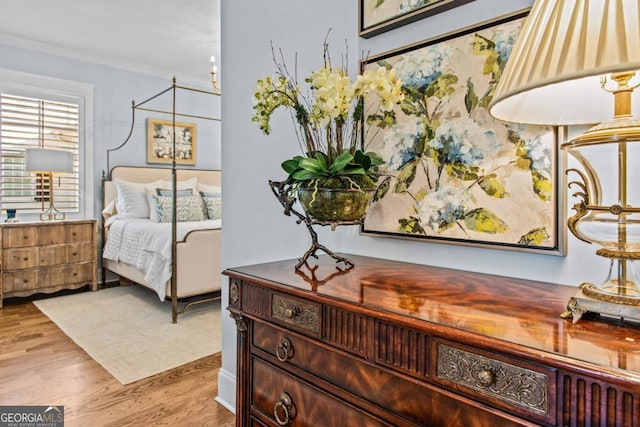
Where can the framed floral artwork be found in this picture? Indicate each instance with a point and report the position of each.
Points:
(160, 142)
(453, 173)
(378, 16)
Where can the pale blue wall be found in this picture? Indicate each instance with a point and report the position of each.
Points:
(255, 229)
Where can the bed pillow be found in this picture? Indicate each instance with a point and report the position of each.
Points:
(213, 204)
(182, 185)
(215, 189)
(131, 198)
(153, 215)
(189, 208)
(109, 210)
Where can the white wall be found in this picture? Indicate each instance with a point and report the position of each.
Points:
(255, 229)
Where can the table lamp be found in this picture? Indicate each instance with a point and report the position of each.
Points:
(575, 62)
(48, 161)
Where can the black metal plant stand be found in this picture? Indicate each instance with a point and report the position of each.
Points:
(283, 193)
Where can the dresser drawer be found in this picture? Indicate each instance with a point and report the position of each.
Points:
(414, 401)
(511, 384)
(79, 233)
(52, 255)
(52, 234)
(299, 314)
(282, 399)
(19, 237)
(14, 259)
(79, 252)
(66, 274)
(19, 281)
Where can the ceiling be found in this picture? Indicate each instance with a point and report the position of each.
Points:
(159, 37)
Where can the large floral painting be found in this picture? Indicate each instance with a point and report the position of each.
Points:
(377, 16)
(452, 172)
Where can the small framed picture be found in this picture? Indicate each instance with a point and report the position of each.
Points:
(161, 135)
(379, 16)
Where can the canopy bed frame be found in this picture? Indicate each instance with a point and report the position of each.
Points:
(189, 280)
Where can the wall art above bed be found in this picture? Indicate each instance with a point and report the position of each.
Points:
(160, 142)
(378, 16)
(453, 173)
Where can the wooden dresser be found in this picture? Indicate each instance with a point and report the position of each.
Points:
(47, 257)
(398, 344)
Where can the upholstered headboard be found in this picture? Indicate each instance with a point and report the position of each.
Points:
(143, 174)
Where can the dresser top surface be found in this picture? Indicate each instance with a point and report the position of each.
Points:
(518, 311)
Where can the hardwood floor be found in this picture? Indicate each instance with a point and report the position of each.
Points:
(40, 365)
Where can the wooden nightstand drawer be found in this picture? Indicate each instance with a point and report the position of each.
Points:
(15, 259)
(278, 396)
(514, 385)
(19, 237)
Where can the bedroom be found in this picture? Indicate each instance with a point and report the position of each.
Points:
(255, 229)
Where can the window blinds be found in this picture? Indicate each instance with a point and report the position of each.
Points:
(37, 123)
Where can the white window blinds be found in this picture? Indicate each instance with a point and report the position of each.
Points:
(37, 123)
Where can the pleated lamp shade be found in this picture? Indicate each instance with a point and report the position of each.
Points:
(554, 71)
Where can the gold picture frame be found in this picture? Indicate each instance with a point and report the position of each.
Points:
(160, 141)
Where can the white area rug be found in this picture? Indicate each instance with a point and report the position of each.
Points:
(128, 330)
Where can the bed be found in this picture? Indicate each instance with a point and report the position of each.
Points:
(137, 239)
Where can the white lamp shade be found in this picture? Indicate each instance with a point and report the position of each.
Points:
(553, 73)
(46, 160)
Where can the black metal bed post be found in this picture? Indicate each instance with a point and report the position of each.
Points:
(174, 222)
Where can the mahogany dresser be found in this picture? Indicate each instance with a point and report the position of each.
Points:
(396, 344)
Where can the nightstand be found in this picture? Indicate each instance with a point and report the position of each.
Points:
(45, 257)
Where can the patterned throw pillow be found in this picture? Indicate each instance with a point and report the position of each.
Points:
(212, 204)
(189, 208)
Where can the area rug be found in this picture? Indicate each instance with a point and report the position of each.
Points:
(128, 330)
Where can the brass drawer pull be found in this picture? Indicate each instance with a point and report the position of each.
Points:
(283, 349)
(486, 378)
(284, 405)
(291, 312)
(294, 312)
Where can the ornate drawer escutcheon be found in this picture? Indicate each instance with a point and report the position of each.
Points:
(303, 315)
(512, 384)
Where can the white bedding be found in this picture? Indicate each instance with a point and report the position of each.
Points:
(146, 245)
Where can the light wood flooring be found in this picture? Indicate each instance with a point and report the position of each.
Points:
(40, 365)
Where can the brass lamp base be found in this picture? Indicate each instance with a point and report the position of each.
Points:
(52, 214)
(591, 300)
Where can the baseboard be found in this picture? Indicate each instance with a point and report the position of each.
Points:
(226, 390)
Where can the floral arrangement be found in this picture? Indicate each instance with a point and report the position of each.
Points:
(328, 118)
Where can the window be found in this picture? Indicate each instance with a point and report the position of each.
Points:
(37, 123)
(34, 111)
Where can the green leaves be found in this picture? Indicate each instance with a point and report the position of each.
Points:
(406, 176)
(484, 221)
(534, 237)
(492, 186)
(317, 166)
